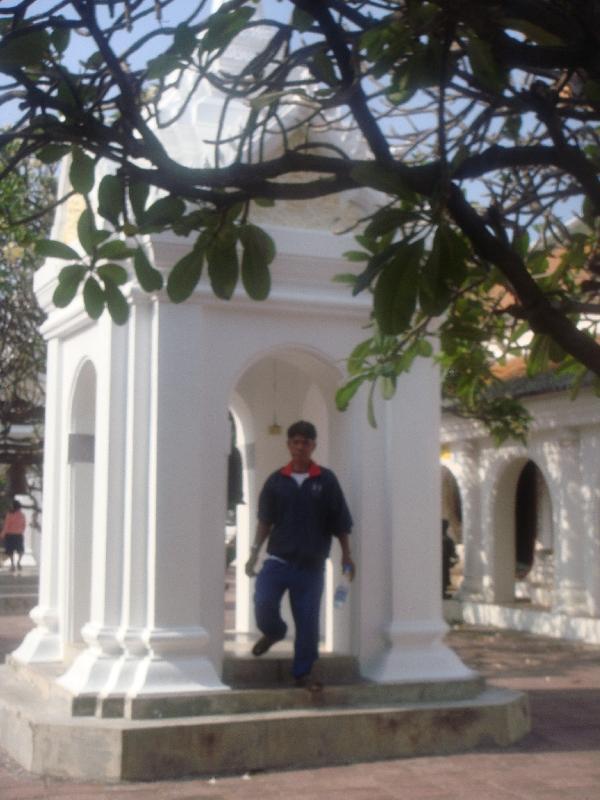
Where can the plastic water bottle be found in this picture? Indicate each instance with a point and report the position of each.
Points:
(342, 589)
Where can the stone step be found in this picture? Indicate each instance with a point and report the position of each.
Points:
(280, 695)
(252, 701)
(47, 742)
(242, 670)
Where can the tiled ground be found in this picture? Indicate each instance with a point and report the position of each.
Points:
(559, 759)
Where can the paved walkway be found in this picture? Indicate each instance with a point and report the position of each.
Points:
(560, 759)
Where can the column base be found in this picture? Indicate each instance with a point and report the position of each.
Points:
(417, 653)
(43, 643)
(155, 662)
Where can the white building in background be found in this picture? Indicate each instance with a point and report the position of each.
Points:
(528, 516)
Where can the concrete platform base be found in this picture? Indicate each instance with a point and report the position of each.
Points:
(273, 726)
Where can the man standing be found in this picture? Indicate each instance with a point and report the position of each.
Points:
(300, 508)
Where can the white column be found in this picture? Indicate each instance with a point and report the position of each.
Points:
(569, 593)
(189, 441)
(157, 608)
(44, 643)
(93, 669)
(590, 477)
(467, 457)
(412, 622)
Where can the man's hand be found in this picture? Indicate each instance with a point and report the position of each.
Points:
(251, 563)
(348, 566)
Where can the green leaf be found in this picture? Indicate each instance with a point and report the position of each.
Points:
(115, 249)
(446, 268)
(259, 252)
(95, 61)
(81, 172)
(375, 265)
(184, 41)
(347, 278)
(113, 272)
(93, 297)
(388, 386)
(223, 267)
(110, 198)
(89, 236)
(483, 65)
(184, 276)
(521, 244)
(149, 278)
(589, 212)
(138, 196)
(356, 359)
(344, 395)
(534, 32)
(74, 272)
(69, 279)
(60, 38)
(224, 26)
(23, 50)
(591, 90)
(302, 20)
(118, 307)
(381, 178)
(50, 248)
(424, 348)
(163, 212)
(387, 220)
(539, 355)
(356, 255)
(322, 68)
(371, 408)
(395, 295)
(52, 153)
(162, 65)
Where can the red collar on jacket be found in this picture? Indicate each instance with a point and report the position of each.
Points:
(313, 470)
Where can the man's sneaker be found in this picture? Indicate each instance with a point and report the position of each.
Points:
(263, 644)
(307, 682)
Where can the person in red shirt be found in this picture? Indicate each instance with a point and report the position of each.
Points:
(12, 533)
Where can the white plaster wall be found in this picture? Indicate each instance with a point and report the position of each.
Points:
(563, 443)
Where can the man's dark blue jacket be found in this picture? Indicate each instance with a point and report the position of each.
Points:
(304, 518)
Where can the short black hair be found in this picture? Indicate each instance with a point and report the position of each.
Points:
(302, 428)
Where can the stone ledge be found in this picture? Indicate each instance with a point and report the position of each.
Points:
(43, 740)
(528, 619)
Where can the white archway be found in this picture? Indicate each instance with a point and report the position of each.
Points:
(80, 452)
(275, 389)
(506, 525)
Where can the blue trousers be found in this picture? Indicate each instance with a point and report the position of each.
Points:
(305, 587)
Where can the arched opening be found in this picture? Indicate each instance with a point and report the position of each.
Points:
(533, 537)
(81, 447)
(237, 491)
(274, 391)
(522, 535)
(453, 551)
